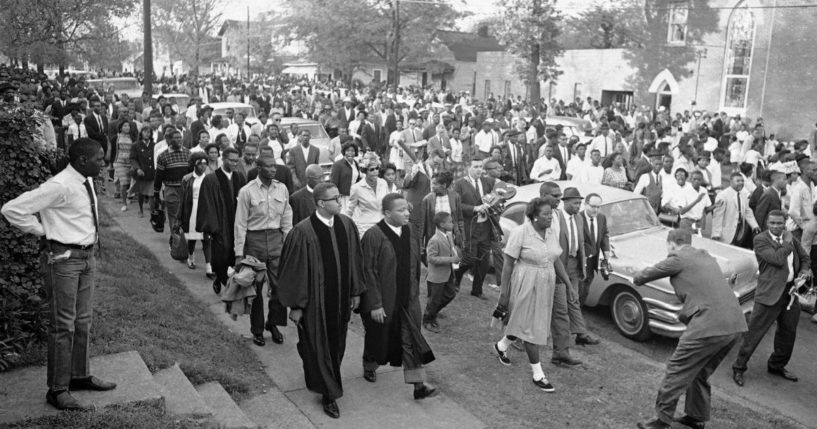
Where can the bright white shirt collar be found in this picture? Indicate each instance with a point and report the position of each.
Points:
(326, 221)
(397, 229)
(310, 190)
(229, 174)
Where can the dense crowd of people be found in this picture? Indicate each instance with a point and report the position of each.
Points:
(412, 179)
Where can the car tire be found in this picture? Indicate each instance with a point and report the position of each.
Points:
(630, 314)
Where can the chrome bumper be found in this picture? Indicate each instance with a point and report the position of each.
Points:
(664, 317)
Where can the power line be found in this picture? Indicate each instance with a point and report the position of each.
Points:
(661, 9)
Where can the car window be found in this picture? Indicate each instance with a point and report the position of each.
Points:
(629, 215)
(515, 212)
(316, 131)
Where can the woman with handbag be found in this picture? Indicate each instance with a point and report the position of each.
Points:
(141, 160)
(188, 210)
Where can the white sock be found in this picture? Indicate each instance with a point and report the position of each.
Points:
(538, 374)
(503, 344)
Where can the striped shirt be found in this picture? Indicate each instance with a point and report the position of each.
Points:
(171, 167)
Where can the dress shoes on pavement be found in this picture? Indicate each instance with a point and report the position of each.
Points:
(330, 407)
(432, 327)
(258, 340)
(544, 385)
(653, 424)
(370, 375)
(480, 296)
(62, 400)
(277, 336)
(782, 372)
(737, 377)
(90, 383)
(425, 391)
(691, 422)
(216, 286)
(586, 340)
(565, 361)
(503, 356)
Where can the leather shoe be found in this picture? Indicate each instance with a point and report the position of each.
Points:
(62, 400)
(425, 391)
(480, 296)
(258, 340)
(277, 336)
(737, 376)
(432, 327)
(370, 375)
(586, 340)
(216, 286)
(653, 424)
(330, 407)
(565, 361)
(782, 372)
(691, 422)
(90, 383)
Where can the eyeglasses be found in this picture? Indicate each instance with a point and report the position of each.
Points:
(201, 162)
(370, 169)
(335, 199)
(593, 206)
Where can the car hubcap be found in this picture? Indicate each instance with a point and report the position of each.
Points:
(628, 313)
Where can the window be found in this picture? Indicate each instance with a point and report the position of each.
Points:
(677, 31)
(487, 89)
(738, 60)
(377, 75)
(507, 88)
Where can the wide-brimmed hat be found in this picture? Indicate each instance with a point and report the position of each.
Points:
(571, 193)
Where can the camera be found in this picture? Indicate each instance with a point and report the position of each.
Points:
(604, 269)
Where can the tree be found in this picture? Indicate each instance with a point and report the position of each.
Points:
(605, 27)
(530, 30)
(363, 31)
(54, 30)
(185, 27)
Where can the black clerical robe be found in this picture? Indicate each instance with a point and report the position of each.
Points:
(320, 272)
(391, 268)
(216, 217)
(303, 205)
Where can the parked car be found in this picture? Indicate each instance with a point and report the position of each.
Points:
(120, 85)
(572, 127)
(637, 241)
(318, 134)
(247, 110)
(182, 100)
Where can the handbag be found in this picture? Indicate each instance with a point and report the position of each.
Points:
(157, 219)
(669, 219)
(178, 245)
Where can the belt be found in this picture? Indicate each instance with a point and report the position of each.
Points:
(265, 230)
(72, 246)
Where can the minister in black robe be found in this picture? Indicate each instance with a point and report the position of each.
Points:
(216, 214)
(390, 307)
(320, 279)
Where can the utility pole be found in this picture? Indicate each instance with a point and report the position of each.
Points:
(395, 45)
(700, 53)
(147, 56)
(248, 43)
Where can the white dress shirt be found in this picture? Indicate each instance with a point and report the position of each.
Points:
(397, 229)
(544, 164)
(592, 174)
(575, 168)
(644, 181)
(800, 205)
(790, 258)
(64, 207)
(604, 144)
(485, 141)
(330, 221)
(572, 233)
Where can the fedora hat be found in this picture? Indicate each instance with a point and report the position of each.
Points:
(571, 193)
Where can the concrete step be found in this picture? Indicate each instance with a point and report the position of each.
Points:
(181, 398)
(274, 410)
(22, 392)
(226, 413)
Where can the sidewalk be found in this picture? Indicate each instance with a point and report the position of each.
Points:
(387, 403)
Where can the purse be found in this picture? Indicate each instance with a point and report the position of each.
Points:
(808, 300)
(157, 219)
(178, 245)
(669, 219)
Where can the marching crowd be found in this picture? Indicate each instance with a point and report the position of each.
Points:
(413, 180)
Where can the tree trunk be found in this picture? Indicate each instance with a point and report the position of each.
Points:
(147, 57)
(395, 61)
(533, 74)
(40, 67)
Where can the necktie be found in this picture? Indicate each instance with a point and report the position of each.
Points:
(478, 188)
(779, 240)
(572, 236)
(593, 229)
(99, 121)
(92, 197)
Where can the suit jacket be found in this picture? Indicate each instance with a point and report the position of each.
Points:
(341, 176)
(428, 208)
(473, 230)
(710, 307)
(436, 143)
(415, 188)
(517, 174)
(755, 197)
(300, 163)
(725, 218)
(94, 132)
(303, 205)
(557, 153)
(564, 240)
(770, 200)
(772, 259)
(440, 255)
(594, 244)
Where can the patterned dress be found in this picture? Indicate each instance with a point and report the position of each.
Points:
(121, 165)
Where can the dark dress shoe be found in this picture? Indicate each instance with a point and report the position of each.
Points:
(737, 376)
(432, 327)
(370, 375)
(258, 340)
(782, 372)
(91, 383)
(425, 391)
(653, 424)
(216, 286)
(545, 385)
(62, 400)
(503, 356)
(586, 340)
(277, 336)
(330, 407)
(691, 422)
(565, 361)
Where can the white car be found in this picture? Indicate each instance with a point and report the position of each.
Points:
(120, 85)
(247, 110)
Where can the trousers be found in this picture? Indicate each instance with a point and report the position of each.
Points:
(567, 318)
(173, 195)
(68, 276)
(413, 370)
(475, 258)
(689, 369)
(761, 320)
(266, 246)
(439, 295)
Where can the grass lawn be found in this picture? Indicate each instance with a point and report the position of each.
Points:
(138, 306)
(120, 417)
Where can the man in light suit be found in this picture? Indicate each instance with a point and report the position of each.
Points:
(596, 240)
(714, 325)
(567, 318)
(303, 155)
(770, 200)
(732, 214)
(782, 261)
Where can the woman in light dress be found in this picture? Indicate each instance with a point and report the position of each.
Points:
(188, 210)
(530, 269)
(121, 165)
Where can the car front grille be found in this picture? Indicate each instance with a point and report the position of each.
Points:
(747, 297)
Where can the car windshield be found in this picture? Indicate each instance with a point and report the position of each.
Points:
(118, 85)
(629, 215)
(316, 131)
(248, 112)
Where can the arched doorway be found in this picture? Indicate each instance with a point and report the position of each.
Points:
(664, 86)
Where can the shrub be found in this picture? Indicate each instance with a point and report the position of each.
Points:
(24, 164)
